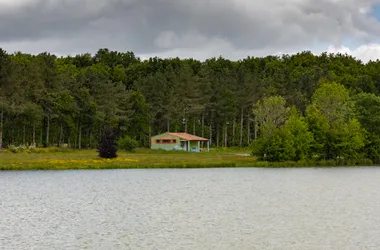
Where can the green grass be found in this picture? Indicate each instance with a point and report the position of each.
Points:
(65, 159)
(54, 159)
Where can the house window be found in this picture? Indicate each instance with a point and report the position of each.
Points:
(166, 141)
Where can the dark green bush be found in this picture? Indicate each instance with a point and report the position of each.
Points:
(106, 147)
(127, 143)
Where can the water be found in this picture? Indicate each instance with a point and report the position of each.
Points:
(191, 209)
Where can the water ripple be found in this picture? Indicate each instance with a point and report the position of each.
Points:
(191, 209)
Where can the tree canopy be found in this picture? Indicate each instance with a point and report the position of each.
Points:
(324, 105)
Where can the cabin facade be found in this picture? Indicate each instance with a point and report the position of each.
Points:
(178, 141)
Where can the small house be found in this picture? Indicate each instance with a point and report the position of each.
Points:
(178, 141)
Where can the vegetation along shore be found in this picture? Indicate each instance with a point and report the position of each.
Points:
(293, 110)
(58, 159)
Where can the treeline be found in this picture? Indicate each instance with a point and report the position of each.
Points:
(335, 127)
(46, 100)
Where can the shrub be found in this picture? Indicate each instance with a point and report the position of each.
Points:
(17, 149)
(106, 147)
(32, 149)
(127, 143)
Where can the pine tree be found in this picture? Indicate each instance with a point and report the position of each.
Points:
(107, 142)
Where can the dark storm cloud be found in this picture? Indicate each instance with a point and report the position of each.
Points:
(155, 26)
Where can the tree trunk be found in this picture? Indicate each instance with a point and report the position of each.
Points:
(60, 137)
(1, 128)
(194, 126)
(34, 135)
(75, 140)
(80, 136)
(225, 136)
(203, 127)
(23, 135)
(17, 137)
(248, 131)
(68, 139)
(90, 137)
(241, 126)
(255, 135)
(41, 134)
(217, 136)
(233, 132)
(150, 135)
(76, 135)
(47, 130)
(210, 133)
(168, 125)
(12, 139)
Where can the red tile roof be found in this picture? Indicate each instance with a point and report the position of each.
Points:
(187, 136)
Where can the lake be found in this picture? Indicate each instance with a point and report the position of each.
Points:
(242, 208)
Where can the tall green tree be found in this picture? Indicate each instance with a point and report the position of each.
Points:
(271, 115)
(338, 132)
(299, 137)
(368, 113)
(138, 125)
(6, 89)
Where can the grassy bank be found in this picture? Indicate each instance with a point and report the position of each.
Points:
(54, 159)
(315, 164)
(65, 159)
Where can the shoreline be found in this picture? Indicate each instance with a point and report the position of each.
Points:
(272, 165)
(54, 159)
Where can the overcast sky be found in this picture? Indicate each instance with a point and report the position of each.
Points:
(192, 28)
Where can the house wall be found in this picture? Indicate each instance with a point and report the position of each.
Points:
(164, 146)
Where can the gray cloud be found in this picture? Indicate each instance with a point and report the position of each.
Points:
(198, 28)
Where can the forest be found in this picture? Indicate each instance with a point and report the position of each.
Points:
(290, 107)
